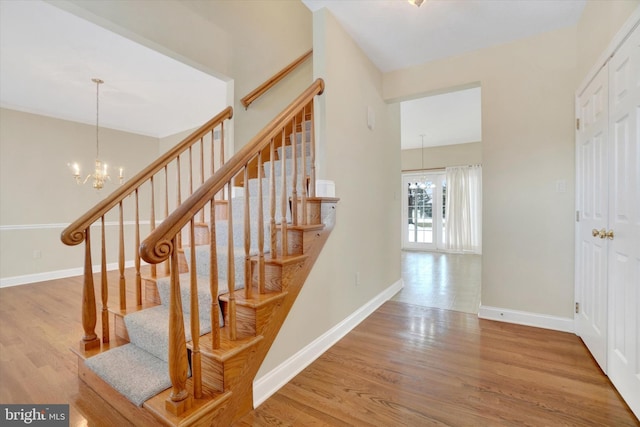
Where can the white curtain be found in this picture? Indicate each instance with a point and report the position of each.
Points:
(463, 226)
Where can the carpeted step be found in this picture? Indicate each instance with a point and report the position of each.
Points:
(203, 263)
(204, 295)
(149, 330)
(133, 372)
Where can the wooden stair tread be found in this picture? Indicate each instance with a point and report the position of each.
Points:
(256, 300)
(105, 346)
(228, 348)
(301, 227)
(132, 309)
(283, 260)
(208, 403)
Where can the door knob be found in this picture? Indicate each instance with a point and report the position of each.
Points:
(595, 233)
(609, 234)
(599, 233)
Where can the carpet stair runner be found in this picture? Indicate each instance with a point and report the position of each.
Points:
(139, 370)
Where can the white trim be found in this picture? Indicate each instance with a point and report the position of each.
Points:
(58, 274)
(65, 225)
(614, 44)
(556, 323)
(272, 381)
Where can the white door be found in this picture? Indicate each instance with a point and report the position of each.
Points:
(591, 253)
(624, 221)
(422, 211)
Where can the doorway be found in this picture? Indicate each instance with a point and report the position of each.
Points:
(424, 209)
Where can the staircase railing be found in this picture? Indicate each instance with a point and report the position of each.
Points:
(147, 186)
(272, 81)
(163, 242)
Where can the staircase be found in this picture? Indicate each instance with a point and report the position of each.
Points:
(235, 259)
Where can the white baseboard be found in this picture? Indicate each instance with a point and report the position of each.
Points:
(57, 274)
(556, 323)
(272, 381)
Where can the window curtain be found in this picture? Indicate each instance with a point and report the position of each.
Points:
(463, 222)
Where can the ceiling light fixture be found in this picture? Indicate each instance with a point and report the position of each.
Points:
(416, 3)
(101, 172)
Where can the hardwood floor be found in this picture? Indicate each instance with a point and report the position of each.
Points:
(404, 365)
(441, 280)
(408, 365)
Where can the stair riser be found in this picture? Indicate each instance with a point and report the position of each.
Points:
(314, 212)
(137, 416)
(298, 241)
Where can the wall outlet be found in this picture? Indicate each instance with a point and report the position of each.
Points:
(357, 278)
(37, 254)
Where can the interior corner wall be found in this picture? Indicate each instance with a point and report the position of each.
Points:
(442, 156)
(242, 42)
(599, 22)
(528, 164)
(38, 195)
(365, 166)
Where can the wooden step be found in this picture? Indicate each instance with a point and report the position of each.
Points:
(224, 366)
(278, 271)
(253, 313)
(299, 237)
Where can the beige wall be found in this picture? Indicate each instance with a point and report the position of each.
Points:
(441, 157)
(600, 21)
(365, 165)
(38, 195)
(244, 42)
(527, 146)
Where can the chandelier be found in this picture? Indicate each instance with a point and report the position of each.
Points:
(416, 2)
(101, 172)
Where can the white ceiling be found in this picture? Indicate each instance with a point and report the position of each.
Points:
(49, 56)
(446, 119)
(395, 34)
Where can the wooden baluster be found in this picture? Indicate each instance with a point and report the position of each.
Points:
(222, 144)
(260, 228)
(231, 275)
(312, 184)
(195, 317)
(222, 151)
(123, 282)
(178, 366)
(294, 176)
(284, 207)
(104, 286)
(136, 256)
(213, 278)
(202, 172)
(303, 156)
(152, 220)
(190, 170)
(272, 201)
(166, 209)
(213, 151)
(90, 339)
(178, 195)
(247, 235)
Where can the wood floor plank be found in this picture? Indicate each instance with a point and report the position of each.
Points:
(405, 365)
(412, 365)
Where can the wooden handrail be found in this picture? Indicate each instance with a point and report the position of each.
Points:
(158, 246)
(268, 84)
(74, 234)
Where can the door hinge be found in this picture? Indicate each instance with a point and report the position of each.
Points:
(577, 307)
(577, 216)
(578, 124)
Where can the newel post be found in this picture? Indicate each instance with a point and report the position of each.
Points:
(179, 400)
(90, 339)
